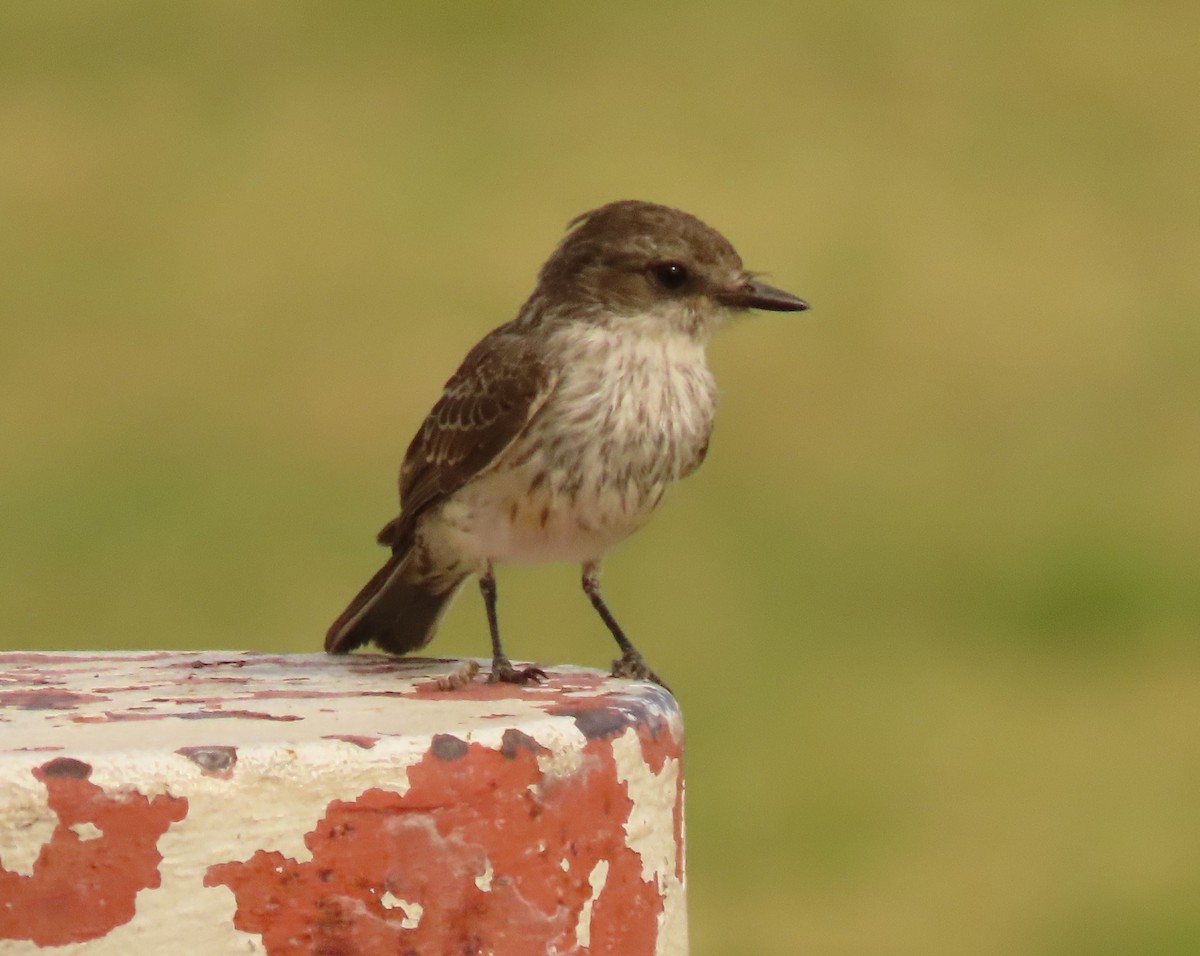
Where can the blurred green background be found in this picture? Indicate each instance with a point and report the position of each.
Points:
(932, 605)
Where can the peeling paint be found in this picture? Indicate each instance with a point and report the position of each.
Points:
(447, 747)
(457, 820)
(64, 767)
(214, 761)
(359, 740)
(86, 830)
(82, 886)
(46, 698)
(411, 911)
(360, 811)
(583, 927)
(484, 879)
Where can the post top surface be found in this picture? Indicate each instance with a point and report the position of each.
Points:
(100, 702)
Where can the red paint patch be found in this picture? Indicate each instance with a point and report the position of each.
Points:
(82, 889)
(64, 767)
(281, 695)
(192, 700)
(27, 680)
(46, 699)
(434, 846)
(125, 689)
(238, 714)
(298, 694)
(119, 715)
(357, 739)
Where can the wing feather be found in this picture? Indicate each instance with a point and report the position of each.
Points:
(497, 391)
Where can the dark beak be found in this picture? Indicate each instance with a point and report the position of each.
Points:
(753, 294)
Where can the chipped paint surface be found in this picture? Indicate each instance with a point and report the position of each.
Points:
(298, 804)
(101, 853)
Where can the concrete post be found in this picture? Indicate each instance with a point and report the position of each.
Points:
(222, 802)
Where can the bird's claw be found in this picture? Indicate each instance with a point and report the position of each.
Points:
(632, 666)
(504, 672)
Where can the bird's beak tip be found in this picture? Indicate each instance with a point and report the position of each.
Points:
(753, 294)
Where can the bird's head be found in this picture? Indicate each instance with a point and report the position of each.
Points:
(632, 261)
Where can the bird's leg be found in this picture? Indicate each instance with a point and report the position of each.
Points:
(631, 663)
(502, 669)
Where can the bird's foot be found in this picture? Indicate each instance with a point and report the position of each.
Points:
(504, 672)
(632, 665)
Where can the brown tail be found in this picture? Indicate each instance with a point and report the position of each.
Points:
(398, 614)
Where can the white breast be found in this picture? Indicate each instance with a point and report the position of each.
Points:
(631, 414)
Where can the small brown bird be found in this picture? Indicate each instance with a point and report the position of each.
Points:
(561, 430)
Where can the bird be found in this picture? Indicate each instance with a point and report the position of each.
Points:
(560, 432)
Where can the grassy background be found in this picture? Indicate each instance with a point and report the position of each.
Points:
(932, 605)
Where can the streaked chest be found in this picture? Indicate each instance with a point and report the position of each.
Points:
(628, 418)
(640, 406)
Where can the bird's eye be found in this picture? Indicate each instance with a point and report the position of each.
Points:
(670, 275)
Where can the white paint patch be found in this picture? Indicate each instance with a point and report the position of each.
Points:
(87, 831)
(564, 743)
(30, 824)
(412, 911)
(596, 879)
(412, 915)
(484, 879)
(653, 797)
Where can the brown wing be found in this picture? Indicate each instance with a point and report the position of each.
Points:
(487, 403)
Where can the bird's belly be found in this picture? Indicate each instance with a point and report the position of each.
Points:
(498, 520)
